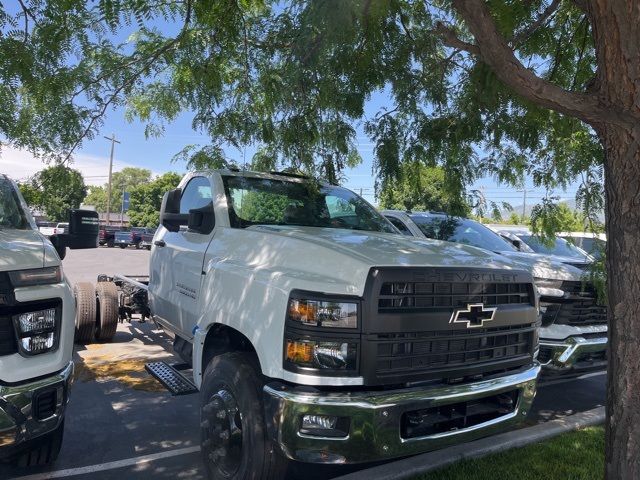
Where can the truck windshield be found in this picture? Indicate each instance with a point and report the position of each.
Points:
(460, 230)
(12, 213)
(262, 201)
(558, 247)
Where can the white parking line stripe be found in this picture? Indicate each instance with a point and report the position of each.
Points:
(110, 465)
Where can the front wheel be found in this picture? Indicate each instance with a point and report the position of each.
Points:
(123, 246)
(234, 442)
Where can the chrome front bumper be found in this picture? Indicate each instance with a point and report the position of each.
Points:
(375, 418)
(574, 355)
(18, 421)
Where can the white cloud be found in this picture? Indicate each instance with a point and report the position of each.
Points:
(20, 165)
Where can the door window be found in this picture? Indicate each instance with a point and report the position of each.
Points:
(400, 226)
(196, 194)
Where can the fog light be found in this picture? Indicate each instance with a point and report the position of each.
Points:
(38, 343)
(325, 426)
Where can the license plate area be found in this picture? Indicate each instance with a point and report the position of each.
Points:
(457, 416)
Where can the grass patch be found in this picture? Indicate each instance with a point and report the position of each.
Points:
(577, 455)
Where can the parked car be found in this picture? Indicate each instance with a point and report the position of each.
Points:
(573, 337)
(593, 243)
(138, 237)
(560, 248)
(37, 310)
(146, 239)
(52, 228)
(107, 235)
(317, 333)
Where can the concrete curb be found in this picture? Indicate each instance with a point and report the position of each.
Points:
(419, 464)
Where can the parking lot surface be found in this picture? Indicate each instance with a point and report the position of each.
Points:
(121, 424)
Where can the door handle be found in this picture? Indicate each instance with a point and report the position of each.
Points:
(159, 243)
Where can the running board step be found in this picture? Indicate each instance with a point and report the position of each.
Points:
(171, 378)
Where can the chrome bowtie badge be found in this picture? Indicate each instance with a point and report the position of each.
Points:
(474, 316)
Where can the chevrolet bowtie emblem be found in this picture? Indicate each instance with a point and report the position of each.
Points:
(474, 316)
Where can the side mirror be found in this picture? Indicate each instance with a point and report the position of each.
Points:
(170, 216)
(202, 220)
(517, 244)
(84, 226)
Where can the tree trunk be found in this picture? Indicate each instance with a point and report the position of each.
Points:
(622, 186)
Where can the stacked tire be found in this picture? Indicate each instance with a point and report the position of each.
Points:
(96, 312)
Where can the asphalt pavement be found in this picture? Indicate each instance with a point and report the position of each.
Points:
(121, 424)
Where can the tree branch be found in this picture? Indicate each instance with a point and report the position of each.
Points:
(524, 35)
(495, 52)
(450, 39)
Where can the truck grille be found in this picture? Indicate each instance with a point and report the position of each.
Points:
(423, 296)
(8, 343)
(582, 310)
(445, 353)
(409, 333)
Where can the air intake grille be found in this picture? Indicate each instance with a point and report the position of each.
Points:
(440, 351)
(582, 309)
(422, 296)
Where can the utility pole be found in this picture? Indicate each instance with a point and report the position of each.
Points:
(524, 202)
(113, 141)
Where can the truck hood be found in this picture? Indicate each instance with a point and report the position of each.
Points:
(385, 249)
(21, 249)
(545, 266)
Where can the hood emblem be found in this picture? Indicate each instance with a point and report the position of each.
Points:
(474, 316)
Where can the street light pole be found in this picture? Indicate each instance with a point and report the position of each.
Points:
(113, 141)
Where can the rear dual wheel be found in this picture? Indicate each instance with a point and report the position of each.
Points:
(106, 311)
(96, 311)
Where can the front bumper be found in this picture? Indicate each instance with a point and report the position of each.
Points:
(575, 355)
(375, 418)
(32, 409)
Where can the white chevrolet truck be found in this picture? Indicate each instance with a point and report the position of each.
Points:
(317, 333)
(37, 311)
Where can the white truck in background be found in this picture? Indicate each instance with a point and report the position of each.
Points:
(573, 334)
(317, 333)
(37, 310)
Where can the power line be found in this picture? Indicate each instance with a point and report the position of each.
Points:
(113, 141)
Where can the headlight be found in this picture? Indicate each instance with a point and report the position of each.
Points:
(35, 276)
(323, 313)
(324, 355)
(37, 331)
(549, 288)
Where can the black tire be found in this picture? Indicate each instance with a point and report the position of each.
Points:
(138, 246)
(148, 247)
(123, 246)
(110, 244)
(85, 312)
(43, 450)
(107, 311)
(233, 435)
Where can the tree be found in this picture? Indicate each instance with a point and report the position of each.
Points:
(97, 197)
(544, 88)
(31, 194)
(563, 217)
(125, 181)
(146, 200)
(55, 190)
(421, 188)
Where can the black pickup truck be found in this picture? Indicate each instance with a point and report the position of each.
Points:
(138, 237)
